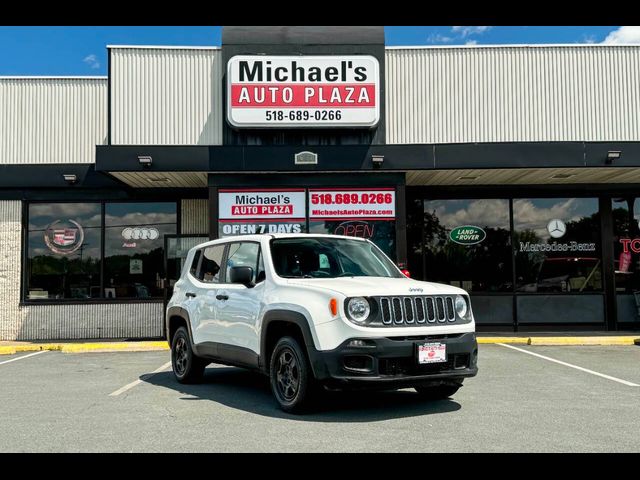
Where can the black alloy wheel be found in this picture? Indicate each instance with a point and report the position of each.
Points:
(187, 367)
(287, 374)
(290, 375)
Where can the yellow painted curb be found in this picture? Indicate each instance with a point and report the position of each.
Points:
(115, 347)
(552, 341)
(37, 347)
(10, 350)
(87, 347)
(582, 340)
(516, 340)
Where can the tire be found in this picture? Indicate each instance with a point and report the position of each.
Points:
(187, 367)
(291, 377)
(439, 392)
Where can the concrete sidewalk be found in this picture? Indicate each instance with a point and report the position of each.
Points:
(105, 345)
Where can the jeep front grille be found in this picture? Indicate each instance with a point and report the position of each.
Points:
(414, 310)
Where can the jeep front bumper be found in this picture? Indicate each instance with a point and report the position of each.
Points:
(391, 362)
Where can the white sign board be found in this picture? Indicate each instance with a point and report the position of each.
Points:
(375, 204)
(303, 91)
(248, 204)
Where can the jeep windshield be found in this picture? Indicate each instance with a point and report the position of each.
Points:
(325, 257)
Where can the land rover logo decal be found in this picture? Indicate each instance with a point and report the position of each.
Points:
(467, 235)
(64, 237)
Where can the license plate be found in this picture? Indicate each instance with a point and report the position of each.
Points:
(432, 353)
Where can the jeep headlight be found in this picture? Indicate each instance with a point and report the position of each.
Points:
(358, 309)
(461, 307)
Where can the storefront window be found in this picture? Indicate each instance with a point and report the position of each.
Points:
(134, 248)
(380, 232)
(467, 244)
(557, 243)
(626, 244)
(63, 253)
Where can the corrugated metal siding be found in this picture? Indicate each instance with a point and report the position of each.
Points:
(195, 216)
(505, 94)
(49, 322)
(10, 220)
(52, 120)
(166, 96)
(52, 322)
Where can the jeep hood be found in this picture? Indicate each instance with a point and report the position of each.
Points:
(376, 286)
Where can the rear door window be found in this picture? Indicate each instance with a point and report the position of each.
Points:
(210, 267)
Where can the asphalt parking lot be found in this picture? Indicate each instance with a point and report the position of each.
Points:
(57, 402)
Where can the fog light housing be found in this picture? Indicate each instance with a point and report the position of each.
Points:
(358, 363)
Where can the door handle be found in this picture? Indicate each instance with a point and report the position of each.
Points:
(222, 297)
(189, 294)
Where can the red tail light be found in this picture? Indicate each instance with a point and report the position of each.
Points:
(406, 272)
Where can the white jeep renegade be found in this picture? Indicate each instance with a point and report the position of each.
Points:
(316, 311)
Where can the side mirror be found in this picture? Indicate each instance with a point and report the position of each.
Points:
(242, 275)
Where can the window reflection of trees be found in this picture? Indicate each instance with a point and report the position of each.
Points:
(560, 271)
(77, 275)
(51, 275)
(482, 267)
(120, 252)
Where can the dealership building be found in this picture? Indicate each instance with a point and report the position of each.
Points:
(510, 171)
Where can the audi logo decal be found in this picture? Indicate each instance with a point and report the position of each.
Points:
(140, 233)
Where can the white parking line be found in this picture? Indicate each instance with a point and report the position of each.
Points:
(24, 356)
(129, 386)
(624, 382)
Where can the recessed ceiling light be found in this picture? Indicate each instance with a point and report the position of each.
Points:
(159, 180)
(562, 176)
(469, 177)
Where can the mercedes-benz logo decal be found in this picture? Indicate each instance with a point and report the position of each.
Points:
(556, 228)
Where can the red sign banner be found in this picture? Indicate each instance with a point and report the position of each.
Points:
(361, 204)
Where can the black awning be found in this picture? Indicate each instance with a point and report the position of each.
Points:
(255, 159)
(402, 157)
(37, 175)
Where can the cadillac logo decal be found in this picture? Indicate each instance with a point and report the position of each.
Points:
(64, 237)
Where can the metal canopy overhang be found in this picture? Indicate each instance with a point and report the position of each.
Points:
(524, 176)
(36, 175)
(425, 164)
